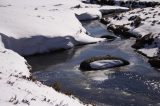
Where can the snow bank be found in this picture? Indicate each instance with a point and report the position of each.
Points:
(38, 26)
(143, 23)
(17, 89)
(96, 11)
(29, 32)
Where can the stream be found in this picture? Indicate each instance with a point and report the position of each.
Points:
(137, 84)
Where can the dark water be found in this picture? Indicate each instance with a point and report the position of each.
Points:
(137, 84)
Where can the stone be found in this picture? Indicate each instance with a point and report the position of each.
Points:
(86, 64)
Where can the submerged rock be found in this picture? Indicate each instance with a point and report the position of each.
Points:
(102, 62)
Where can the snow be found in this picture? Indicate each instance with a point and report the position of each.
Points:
(102, 64)
(150, 24)
(150, 52)
(88, 14)
(38, 26)
(12, 64)
(109, 9)
(17, 89)
(41, 32)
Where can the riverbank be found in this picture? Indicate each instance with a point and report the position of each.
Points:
(142, 24)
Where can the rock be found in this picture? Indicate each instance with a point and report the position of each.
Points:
(141, 42)
(155, 62)
(132, 18)
(121, 30)
(102, 62)
(128, 3)
(104, 21)
(137, 21)
(118, 29)
(77, 6)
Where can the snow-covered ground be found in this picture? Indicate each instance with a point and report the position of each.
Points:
(143, 23)
(37, 26)
(18, 89)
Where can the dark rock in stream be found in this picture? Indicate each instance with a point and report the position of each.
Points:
(155, 62)
(121, 30)
(86, 64)
(141, 42)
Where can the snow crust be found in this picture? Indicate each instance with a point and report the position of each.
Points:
(102, 64)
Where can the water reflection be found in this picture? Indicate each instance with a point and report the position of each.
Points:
(43, 61)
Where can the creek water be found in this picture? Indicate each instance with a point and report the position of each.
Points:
(135, 84)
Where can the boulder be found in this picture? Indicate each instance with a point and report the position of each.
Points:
(102, 62)
(121, 30)
(141, 42)
(155, 62)
(104, 21)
